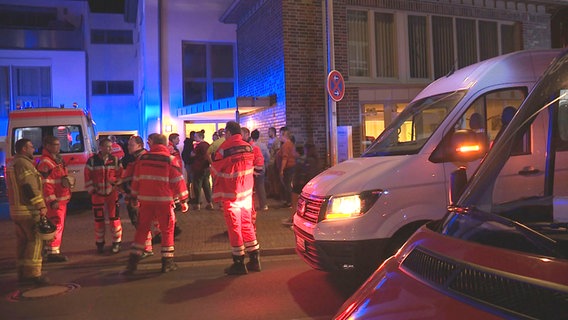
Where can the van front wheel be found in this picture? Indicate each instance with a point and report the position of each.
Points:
(400, 237)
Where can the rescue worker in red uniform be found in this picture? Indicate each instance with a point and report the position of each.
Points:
(232, 170)
(135, 150)
(158, 179)
(173, 141)
(116, 149)
(102, 177)
(27, 205)
(258, 163)
(56, 192)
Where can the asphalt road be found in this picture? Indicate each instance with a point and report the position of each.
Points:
(286, 289)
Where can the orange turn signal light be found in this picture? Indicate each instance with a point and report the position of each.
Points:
(468, 148)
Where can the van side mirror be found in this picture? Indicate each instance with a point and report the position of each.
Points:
(460, 146)
(458, 180)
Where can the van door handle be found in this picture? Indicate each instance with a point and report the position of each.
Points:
(529, 171)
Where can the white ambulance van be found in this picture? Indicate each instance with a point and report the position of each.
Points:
(353, 215)
(73, 127)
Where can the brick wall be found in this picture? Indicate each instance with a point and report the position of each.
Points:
(261, 67)
(305, 74)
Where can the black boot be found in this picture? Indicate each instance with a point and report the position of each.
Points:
(238, 267)
(132, 265)
(168, 265)
(100, 247)
(177, 230)
(254, 261)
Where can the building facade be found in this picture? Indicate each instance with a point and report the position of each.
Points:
(178, 65)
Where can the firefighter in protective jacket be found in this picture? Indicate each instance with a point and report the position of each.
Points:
(157, 181)
(102, 177)
(56, 191)
(232, 170)
(26, 206)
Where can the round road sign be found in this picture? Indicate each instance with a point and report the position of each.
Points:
(335, 85)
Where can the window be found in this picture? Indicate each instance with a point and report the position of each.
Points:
(376, 49)
(490, 114)
(107, 6)
(489, 47)
(111, 36)
(358, 43)
(5, 92)
(466, 44)
(510, 38)
(418, 48)
(24, 87)
(443, 45)
(385, 44)
(101, 88)
(208, 72)
(562, 124)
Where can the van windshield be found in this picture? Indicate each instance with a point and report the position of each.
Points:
(408, 133)
(520, 201)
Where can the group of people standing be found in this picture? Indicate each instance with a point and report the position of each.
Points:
(153, 184)
(289, 169)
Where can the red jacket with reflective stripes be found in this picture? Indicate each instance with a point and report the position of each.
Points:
(232, 170)
(158, 177)
(52, 169)
(101, 174)
(174, 151)
(128, 172)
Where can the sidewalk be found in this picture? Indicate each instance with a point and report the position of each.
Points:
(203, 237)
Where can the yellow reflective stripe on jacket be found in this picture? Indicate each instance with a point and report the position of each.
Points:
(156, 198)
(234, 174)
(239, 195)
(152, 178)
(37, 199)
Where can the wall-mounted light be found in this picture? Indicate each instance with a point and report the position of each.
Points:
(169, 128)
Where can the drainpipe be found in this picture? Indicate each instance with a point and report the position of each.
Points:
(160, 55)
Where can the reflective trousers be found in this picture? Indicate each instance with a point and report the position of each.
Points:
(105, 207)
(240, 227)
(164, 214)
(57, 217)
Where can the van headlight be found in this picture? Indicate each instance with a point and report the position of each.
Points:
(350, 206)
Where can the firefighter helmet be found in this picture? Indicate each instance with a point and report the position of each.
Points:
(46, 229)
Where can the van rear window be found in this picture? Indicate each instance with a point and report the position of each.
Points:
(70, 137)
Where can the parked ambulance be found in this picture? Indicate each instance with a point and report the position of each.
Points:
(355, 214)
(73, 127)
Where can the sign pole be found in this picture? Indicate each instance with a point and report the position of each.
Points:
(332, 104)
